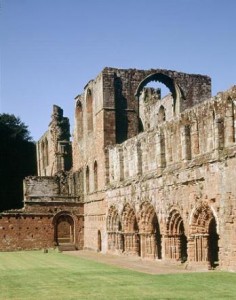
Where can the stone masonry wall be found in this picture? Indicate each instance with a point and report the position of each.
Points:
(54, 147)
(177, 169)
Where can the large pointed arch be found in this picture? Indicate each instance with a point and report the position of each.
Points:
(168, 82)
(113, 230)
(113, 220)
(150, 231)
(129, 221)
(175, 239)
(130, 231)
(203, 245)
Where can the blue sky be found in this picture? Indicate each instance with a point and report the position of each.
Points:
(50, 49)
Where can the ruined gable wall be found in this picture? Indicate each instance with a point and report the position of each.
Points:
(54, 147)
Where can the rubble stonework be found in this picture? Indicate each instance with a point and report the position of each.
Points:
(151, 176)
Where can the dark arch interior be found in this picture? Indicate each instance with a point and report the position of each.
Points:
(99, 241)
(183, 243)
(213, 248)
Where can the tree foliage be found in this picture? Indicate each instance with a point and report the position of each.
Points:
(17, 160)
(11, 127)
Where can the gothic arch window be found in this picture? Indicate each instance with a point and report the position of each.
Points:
(89, 108)
(167, 81)
(87, 180)
(79, 120)
(149, 95)
(121, 114)
(95, 174)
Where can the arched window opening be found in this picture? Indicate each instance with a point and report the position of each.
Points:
(161, 114)
(95, 170)
(79, 120)
(156, 91)
(120, 112)
(89, 105)
(87, 180)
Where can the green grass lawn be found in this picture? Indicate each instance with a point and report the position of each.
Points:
(36, 275)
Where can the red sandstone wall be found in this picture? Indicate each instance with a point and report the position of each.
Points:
(18, 232)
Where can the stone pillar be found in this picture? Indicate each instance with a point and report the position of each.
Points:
(121, 163)
(195, 139)
(229, 124)
(169, 156)
(186, 142)
(191, 249)
(107, 171)
(161, 152)
(166, 246)
(219, 133)
(142, 244)
(139, 158)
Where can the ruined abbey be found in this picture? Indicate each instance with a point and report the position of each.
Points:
(145, 174)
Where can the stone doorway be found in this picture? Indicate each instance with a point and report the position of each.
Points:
(150, 236)
(65, 230)
(131, 244)
(203, 240)
(175, 239)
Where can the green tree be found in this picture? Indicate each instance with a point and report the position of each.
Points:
(17, 160)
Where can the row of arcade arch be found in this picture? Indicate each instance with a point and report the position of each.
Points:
(141, 234)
